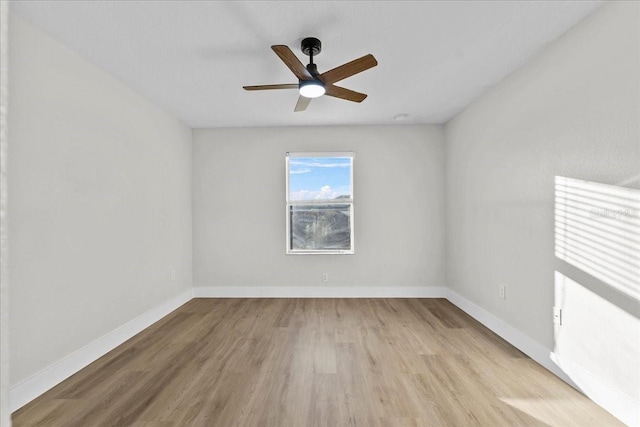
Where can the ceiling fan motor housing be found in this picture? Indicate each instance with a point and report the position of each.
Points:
(312, 84)
(313, 70)
(311, 46)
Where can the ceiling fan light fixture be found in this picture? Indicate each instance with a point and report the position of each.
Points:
(311, 88)
(312, 84)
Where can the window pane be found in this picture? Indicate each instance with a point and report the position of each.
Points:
(320, 178)
(326, 227)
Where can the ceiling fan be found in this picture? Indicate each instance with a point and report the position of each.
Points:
(312, 84)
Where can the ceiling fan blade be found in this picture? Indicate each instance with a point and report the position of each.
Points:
(292, 61)
(349, 69)
(342, 93)
(302, 103)
(269, 87)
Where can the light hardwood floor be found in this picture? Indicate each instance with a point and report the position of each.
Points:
(314, 362)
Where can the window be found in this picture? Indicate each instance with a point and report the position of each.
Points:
(319, 204)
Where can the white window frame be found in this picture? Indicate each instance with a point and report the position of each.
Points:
(291, 203)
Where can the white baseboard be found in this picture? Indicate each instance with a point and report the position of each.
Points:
(622, 406)
(27, 390)
(616, 403)
(513, 336)
(319, 292)
(619, 405)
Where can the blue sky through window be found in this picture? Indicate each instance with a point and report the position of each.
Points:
(319, 178)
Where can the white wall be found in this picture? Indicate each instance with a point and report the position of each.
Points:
(100, 208)
(573, 111)
(5, 418)
(239, 207)
(101, 196)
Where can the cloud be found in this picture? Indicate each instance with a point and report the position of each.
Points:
(325, 193)
(299, 171)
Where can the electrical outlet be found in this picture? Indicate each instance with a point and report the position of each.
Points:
(557, 316)
(325, 277)
(503, 292)
(173, 275)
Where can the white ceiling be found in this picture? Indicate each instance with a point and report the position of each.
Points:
(193, 57)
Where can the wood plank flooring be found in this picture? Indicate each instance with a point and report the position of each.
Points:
(314, 362)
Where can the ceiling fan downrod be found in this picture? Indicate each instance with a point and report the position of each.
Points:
(312, 84)
(311, 46)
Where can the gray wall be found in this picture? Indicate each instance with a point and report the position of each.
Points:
(5, 413)
(572, 111)
(100, 208)
(102, 183)
(239, 207)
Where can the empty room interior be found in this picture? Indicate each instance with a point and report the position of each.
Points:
(282, 213)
